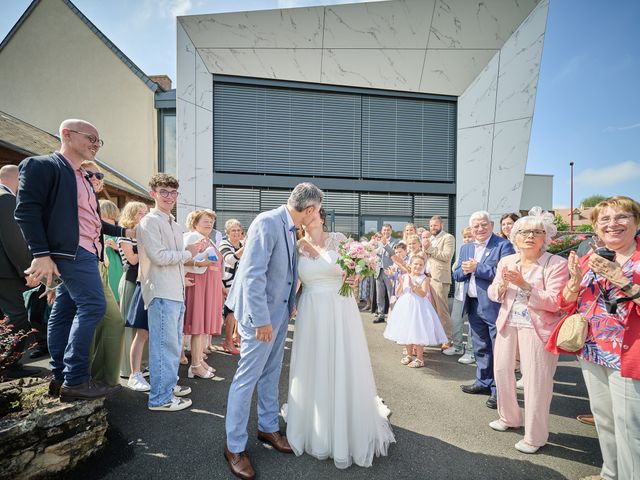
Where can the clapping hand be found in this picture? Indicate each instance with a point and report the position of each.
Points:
(514, 276)
(469, 266)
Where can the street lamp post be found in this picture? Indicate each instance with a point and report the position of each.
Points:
(571, 199)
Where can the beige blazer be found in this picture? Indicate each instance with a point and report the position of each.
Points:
(440, 258)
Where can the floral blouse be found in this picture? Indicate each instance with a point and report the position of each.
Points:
(604, 337)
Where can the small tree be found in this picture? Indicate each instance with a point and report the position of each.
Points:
(561, 223)
(592, 201)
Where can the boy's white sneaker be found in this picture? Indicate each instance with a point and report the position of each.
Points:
(179, 391)
(175, 405)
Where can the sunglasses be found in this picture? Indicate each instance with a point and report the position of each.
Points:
(98, 175)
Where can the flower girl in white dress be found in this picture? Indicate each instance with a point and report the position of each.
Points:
(413, 321)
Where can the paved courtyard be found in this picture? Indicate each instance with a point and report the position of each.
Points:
(440, 431)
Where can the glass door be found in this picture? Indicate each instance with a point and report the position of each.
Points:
(370, 224)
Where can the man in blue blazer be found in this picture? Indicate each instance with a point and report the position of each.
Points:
(263, 299)
(477, 268)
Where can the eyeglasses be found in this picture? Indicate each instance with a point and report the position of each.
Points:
(478, 226)
(166, 193)
(98, 175)
(619, 219)
(92, 138)
(535, 233)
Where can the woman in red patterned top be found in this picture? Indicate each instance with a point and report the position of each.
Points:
(608, 294)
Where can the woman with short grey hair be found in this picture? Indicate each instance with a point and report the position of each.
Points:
(526, 285)
(231, 249)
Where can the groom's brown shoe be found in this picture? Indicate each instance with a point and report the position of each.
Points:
(276, 439)
(239, 464)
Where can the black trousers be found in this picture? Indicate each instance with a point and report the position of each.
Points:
(12, 305)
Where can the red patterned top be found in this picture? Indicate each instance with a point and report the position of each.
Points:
(613, 340)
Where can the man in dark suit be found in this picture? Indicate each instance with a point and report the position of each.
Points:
(477, 268)
(15, 258)
(384, 289)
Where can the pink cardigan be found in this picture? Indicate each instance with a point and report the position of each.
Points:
(544, 310)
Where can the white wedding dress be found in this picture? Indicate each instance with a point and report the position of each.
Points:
(333, 410)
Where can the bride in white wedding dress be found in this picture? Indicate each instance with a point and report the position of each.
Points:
(333, 410)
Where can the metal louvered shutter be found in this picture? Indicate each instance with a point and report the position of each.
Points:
(283, 131)
(426, 206)
(408, 139)
(386, 204)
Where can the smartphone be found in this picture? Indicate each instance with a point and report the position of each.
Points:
(605, 253)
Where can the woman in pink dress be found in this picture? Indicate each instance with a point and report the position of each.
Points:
(203, 300)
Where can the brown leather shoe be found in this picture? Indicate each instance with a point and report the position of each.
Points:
(276, 439)
(239, 464)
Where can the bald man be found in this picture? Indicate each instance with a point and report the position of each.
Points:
(59, 215)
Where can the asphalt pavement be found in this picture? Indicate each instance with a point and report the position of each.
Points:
(440, 431)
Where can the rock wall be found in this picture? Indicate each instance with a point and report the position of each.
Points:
(52, 438)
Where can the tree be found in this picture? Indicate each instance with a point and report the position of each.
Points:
(592, 201)
(563, 226)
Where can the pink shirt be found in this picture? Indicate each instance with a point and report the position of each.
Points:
(88, 219)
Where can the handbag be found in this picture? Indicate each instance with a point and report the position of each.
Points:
(572, 331)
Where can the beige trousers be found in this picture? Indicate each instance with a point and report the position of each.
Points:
(441, 304)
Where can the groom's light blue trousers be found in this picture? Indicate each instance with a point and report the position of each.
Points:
(260, 365)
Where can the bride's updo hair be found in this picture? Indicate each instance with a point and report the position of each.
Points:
(323, 216)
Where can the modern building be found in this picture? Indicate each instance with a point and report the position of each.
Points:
(399, 109)
(56, 64)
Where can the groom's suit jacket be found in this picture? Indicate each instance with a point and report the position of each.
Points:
(263, 290)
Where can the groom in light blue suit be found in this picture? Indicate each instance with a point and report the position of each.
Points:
(263, 299)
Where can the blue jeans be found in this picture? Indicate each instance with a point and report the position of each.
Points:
(78, 308)
(166, 318)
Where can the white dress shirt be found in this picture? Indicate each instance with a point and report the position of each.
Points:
(479, 252)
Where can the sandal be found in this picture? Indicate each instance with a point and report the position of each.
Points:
(192, 372)
(417, 363)
(406, 360)
(229, 347)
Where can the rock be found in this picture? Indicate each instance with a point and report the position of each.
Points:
(52, 438)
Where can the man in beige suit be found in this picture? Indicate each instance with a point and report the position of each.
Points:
(440, 248)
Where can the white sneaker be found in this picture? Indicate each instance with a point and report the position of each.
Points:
(467, 359)
(499, 426)
(453, 351)
(176, 404)
(179, 391)
(520, 384)
(524, 447)
(137, 383)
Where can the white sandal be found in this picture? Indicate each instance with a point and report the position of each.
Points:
(192, 373)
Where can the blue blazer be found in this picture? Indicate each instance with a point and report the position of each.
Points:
(497, 247)
(263, 290)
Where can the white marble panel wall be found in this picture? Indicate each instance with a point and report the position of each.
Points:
(377, 68)
(449, 72)
(520, 67)
(286, 28)
(474, 166)
(301, 65)
(501, 98)
(476, 24)
(508, 163)
(204, 158)
(401, 24)
(204, 84)
(477, 105)
(186, 66)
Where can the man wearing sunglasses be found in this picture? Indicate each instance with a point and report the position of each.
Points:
(59, 215)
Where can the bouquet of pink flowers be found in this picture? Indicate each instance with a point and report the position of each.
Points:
(356, 258)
